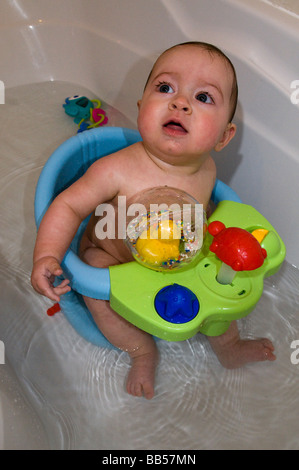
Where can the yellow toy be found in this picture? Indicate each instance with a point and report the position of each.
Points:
(160, 245)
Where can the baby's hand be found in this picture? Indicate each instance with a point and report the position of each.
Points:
(42, 278)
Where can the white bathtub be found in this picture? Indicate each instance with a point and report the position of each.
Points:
(108, 47)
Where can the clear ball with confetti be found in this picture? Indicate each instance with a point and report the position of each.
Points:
(165, 228)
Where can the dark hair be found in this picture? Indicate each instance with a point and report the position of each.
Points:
(212, 50)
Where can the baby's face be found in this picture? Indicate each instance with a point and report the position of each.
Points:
(185, 107)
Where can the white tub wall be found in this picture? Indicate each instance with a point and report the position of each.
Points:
(86, 42)
(109, 47)
(291, 6)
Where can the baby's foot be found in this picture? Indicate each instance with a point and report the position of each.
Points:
(242, 351)
(141, 377)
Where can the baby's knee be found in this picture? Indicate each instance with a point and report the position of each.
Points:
(89, 255)
(97, 257)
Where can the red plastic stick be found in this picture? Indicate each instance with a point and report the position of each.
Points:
(54, 309)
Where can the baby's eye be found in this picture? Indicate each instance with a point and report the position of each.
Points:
(165, 88)
(205, 98)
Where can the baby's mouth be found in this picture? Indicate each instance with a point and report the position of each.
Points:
(175, 127)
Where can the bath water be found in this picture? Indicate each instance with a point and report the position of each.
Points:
(77, 389)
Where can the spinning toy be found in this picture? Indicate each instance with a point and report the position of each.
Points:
(237, 248)
(175, 290)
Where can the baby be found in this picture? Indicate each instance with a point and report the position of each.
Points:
(186, 110)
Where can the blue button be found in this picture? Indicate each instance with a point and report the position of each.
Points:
(176, 304)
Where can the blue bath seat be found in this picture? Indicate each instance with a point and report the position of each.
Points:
(68, 163)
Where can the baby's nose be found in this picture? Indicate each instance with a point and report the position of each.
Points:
(181, 104)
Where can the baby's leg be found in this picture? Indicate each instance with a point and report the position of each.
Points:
(234, 352)
(122, 334)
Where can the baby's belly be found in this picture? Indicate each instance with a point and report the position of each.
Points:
(115, 248)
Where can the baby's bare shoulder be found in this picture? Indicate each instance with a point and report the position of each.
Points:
(118, 160)
(108, 175)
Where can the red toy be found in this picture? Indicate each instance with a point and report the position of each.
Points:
(54, 309)
(237, 248)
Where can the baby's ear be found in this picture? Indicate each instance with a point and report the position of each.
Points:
(138, 104)
(228, 135)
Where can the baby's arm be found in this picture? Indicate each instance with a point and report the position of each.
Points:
(61, 222)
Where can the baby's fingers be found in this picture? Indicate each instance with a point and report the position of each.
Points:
(62, 288)
(64, 283)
